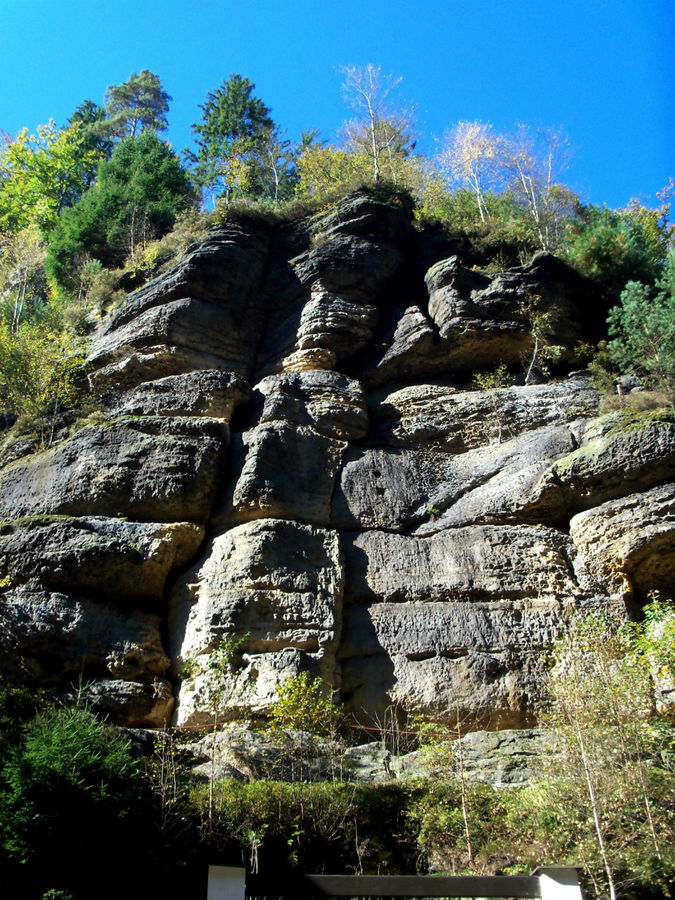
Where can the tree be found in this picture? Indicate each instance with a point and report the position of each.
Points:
(606, 787)
(231, 139)
(533, 163)
(137, 197)
(41, 175)
(40, 373)
(366, 91)
(278, 174)
(469, 156)
(137, 105)
(70, 795)
(22, 272)
(324, 170)
(95, 135)
(614, 247)
(393, 142)
(542, 353)
(642, 328)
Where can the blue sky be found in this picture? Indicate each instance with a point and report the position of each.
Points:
(603, 71)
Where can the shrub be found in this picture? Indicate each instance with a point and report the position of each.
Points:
(304, 704)
(71, 800)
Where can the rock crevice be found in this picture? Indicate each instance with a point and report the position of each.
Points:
(291, 456)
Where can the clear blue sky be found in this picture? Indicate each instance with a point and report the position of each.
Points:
(604, 71)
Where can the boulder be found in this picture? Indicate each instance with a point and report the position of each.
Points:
(330, 403)
(321, 329)
(617, 456)
(506, 758)
(362, 214)
(283, 471)
(128, 703)
(483, 319)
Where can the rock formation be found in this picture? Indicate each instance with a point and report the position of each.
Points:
(290, 452)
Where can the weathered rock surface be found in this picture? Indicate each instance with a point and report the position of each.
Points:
(501, 758)
(203, 393)
(200, 315)
(287, 463)
(373, 520)
(431, 490)
(150, 469)
(628, 545)
(442, 418)
(472, 563)
(124, 562)
(485, 660)
(72, 639)
(277, 584)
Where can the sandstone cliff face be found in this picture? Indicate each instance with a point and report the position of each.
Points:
(290, 453)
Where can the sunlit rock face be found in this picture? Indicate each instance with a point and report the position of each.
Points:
(291, 459)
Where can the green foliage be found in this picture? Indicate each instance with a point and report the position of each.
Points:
(138, 195)
(543, 353)
(69, 795)
(232, 139)
(40, 372)
(281, 827)
(92, 117)
(614, 247)
(20, 696)
(448, 840)
(326, 173)
(23, 285)
(304, 703)
(40, 175)
(642, 329)
(138, 104)
(606, 799)
(499, 377)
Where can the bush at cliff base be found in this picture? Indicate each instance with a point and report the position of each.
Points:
(71, 808)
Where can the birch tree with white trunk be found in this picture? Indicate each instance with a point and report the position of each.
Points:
(469, 156)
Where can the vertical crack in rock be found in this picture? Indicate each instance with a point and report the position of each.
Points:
(372, 519)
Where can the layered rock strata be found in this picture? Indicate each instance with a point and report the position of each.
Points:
(291, 459)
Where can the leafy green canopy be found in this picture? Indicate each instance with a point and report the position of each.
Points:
(614, 247)
(137, 105)
(138, 194)
(231, 138)
(41, 175)
(40, 370)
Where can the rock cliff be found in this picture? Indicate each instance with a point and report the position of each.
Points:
(290, 451)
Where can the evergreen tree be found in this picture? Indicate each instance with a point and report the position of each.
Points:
(231, 139)
(643, 329)
(93, 120)
(137, 105)
(138, 194)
